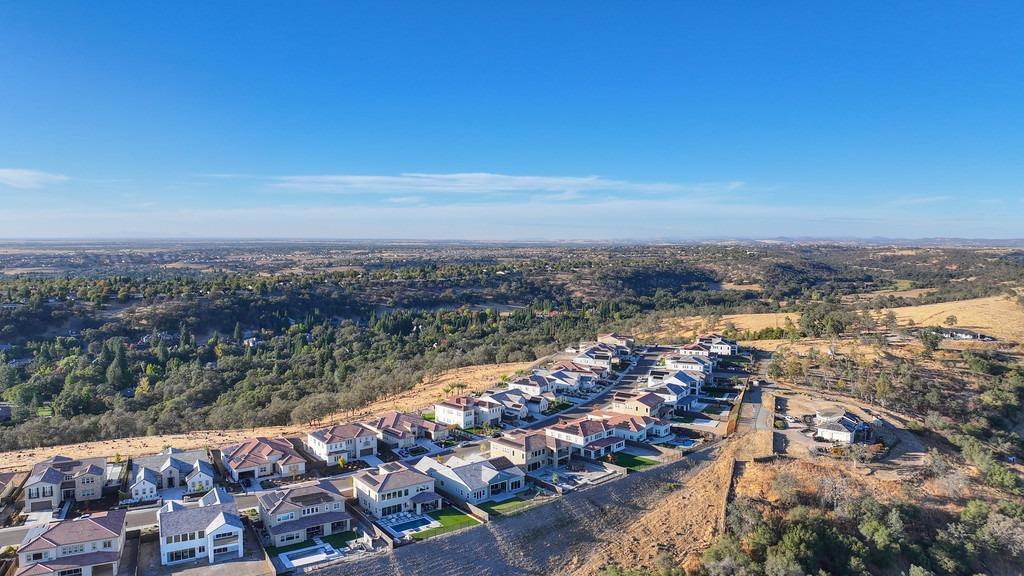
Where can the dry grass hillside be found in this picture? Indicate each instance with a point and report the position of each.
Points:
(690, 326)
(998, 316)
(421, 396)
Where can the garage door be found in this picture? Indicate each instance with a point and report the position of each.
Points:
(39, 506)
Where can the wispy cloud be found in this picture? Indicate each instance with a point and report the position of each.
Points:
(483, 183)
(918, 200)
(27, 179)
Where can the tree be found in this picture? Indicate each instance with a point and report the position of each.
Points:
(951, 320)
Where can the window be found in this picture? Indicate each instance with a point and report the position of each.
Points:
(108, 544)
(179, 555)
(72, 549)
(71, 572)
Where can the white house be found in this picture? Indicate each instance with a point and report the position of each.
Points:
(395, 487)
(634, 428)
(694, 349)
(89, 545)
(473, 481)
(599, 356)
(517, 404)
(718, 344)
(172, 468)
(342, 443)
(689, 363)
(588, 438)
(211, 531)
(467, 412)
(263, 458)
(838, 425)
(687, 383)
(534, 384)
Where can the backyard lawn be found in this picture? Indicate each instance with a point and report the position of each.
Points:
(510, 506)
(341, 539)
(450, 519)
(274, 551)
(634, 463)
(684, 419)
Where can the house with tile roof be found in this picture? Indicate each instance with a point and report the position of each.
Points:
(588, 438)
(263, 458)
(401, 429)
(171, 468)
(531, 450)
(473, 481)
(212, 531)
(60, 478)
(342, 443)
(467, 412)
(393, 488)
(634, 428)
(303, 512)
(90, 545)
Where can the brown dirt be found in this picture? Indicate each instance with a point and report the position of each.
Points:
(421, 396)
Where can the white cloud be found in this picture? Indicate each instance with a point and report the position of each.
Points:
(25, 179)
(483, 183)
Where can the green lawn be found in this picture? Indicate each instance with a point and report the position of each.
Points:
(510, 506)
(274, 551)
(44, 411)
(683, 419)
(428, 416)
(341, 539)
(634, 463)
(450, 519)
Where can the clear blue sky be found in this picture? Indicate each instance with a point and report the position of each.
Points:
(515, 120)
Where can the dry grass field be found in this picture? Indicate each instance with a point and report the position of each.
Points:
(998, 316)
(690, 326)
(421, 396)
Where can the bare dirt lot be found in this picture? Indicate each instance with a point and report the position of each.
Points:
(421, 396)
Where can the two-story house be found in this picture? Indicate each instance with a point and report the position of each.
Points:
(172, 468)
(86, 546)
(467, 412)
(473, 481)
(588, 438)
(689, 363)
(342, 443)
(718, 344)
(60, 478)
(689, 383)
(623, 341)
(634, 428)
(303, 512)
(212, 531)
(532, 449)
(263, 458)
(402, 429)
(395, 487)
(637, 403)
(517, 405)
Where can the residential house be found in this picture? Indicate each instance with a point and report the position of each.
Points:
(213, 530)
(637, 403)
(695, 349)
(623, 341)
(303, 512)
(689, 363)
(517, 405)
(8, 486)
(588, 438)
(676, 387)
(342, 443)
(839, 425)
(402, 429)
(86, 546)
(570, 366)
(60, 478)
(534, 384)
(532, 449)
(720, 345)
(473, 481)
(262, 458)
(568, 381)
(468, 412)
(634, 428)
(172, 468)
(395, 487)
(597, 356)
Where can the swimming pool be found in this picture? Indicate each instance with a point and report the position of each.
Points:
(299, 555)
(410, 525)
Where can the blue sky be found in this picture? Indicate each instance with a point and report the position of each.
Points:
(519, 120)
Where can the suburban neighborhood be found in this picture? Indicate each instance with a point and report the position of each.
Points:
(589, 415)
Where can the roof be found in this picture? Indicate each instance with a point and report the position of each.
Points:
(401, 423)
(88, 528)
(342, 432)
(392, 476)
(259, 451)
(570, 366)
(183, 461)
(474, 475)
(633, 423)
(425, 497)
(308, 521)
(649, 399)
(604, 442)
(5, 479)
(300, 496)
(581, 427)
(215, 509)
(465, 402)
(68, 563)
(53, 470)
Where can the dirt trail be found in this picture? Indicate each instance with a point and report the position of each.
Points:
(421, 396)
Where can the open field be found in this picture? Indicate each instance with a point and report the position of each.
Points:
(690, 326)
(998, 316)
(424, 394)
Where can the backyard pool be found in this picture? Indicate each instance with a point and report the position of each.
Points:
(308, 552)
(410, 525)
